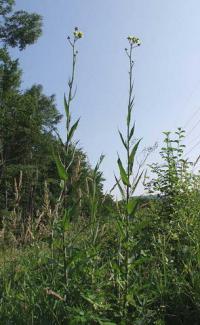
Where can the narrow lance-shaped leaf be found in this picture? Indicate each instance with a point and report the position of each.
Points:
(99, 163)
(119, 187)
(132, 132)
(60, 167)
(123, 173)
(129, 115)
(137, 181)
(132, 206)
(132, 155)
(122, 139)
(72, 130)
(67, 111)
(120, 226)
(65, 220)
(59, 138)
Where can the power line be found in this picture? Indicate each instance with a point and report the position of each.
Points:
(193, 115)
(193, 140)
(187, 100)
(191, 118)
(187, 153)
(192, 129)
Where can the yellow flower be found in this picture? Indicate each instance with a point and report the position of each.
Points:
(134, 40)
(78, 34)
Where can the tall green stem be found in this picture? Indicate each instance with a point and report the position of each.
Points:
(126, 177)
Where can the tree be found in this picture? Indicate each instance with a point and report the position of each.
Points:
(23, 116)
(18, 29)
(27, 136)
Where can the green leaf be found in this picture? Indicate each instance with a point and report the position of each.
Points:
(132, 132)
(60, 168)
(129, 115)
(99, 163)
(123, 173)
(137, 181)
(132, 206)
(65, 220)
(72, 130)
(122, 139)
(140, 261)
(119, 187)
(66, 107)
(132, 155)
(120, 226)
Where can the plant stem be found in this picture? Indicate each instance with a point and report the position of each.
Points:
(130, 106)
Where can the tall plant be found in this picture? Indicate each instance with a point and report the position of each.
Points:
(127, 184)
(68, 154)
(68, 147)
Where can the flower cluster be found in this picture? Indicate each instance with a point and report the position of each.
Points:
(134, 40)
(78, 33)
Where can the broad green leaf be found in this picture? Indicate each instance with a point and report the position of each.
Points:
(123, 173)
(72, 130)
(122, 139)
(60, 168)
(132, 206)
(132, 155)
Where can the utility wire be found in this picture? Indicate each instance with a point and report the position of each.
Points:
(192, 129)
(193, 140)
(187, 100)
(187, 153)
(191, 118)
(195, 112)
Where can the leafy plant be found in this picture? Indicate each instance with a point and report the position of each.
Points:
(127, 183)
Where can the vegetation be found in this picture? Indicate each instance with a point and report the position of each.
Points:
(71, 254)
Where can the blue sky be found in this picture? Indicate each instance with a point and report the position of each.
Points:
(167, 69)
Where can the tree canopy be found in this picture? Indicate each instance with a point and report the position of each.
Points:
(20, 28)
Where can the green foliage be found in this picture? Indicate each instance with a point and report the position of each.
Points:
(127, 213)
(123, 174)
(69, 253)
(9, 72)
(61, 169)
(20, 28)
(6, 6)
(27, 120)
(173, 176)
